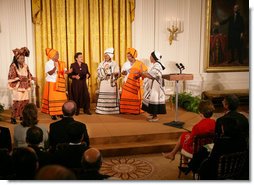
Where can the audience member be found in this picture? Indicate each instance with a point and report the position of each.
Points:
(70, 154)
(59, 130)
(5, 138)
(6, 167)
(55, 172)
(30, 118)
(25, 163)
(231, 103)
(91, 164)
(230, 141)
(205, 126)
(34, 137)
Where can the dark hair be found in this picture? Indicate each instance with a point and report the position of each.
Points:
(232, 101)
(30, 115)
(25, 162)
(15, 61)
(69, 108)
(34, 135)
(206, 108)
(76, 55)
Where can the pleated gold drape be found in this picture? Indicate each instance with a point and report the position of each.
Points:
(88, 26)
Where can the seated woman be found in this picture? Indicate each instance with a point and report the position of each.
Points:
(231, 141)
(205, 126)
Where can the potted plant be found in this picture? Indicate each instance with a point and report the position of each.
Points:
(188, 101)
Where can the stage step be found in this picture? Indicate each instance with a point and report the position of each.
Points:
(135, 144)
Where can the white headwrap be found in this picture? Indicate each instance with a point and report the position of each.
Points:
(157, 57)
(109, 52)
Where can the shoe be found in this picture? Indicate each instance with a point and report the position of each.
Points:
(150, 116)
(185, 170)
(153, 119)
(53, 117)
(88, 112)
(13, 121)
(21, 118)
(170, 157)
(77, 113)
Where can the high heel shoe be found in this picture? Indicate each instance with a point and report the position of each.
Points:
(167, 156)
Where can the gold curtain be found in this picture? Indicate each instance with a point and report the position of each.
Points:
(88, 26)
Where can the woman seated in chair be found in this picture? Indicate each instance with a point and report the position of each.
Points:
(205, 126)
(231, 141)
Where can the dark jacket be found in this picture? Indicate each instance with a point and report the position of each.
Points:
(58, 132)
(5, 138)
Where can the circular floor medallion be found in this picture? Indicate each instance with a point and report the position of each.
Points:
(127, 168)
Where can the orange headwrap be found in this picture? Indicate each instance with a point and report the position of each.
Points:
(22, 51)
(51, 52)
(133, 52)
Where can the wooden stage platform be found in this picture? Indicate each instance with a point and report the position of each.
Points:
(122, 134)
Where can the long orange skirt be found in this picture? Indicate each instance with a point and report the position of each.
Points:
(53, 100)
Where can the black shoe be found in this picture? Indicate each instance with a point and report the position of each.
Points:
(13, 121)
(53, 117)
(88, 112)
(77, 113)
(185, 170)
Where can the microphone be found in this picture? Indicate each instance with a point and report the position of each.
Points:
(182, 66)
(177, 65)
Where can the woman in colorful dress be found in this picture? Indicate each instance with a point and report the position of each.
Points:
(154, 89)
(108, 72)
(54, 94)
(19, 81)
(132, 90)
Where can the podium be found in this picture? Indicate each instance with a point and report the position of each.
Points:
(176, 78)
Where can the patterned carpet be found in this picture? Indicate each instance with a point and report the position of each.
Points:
(142, 167)
(127, 168)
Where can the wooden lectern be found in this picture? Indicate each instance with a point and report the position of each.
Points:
(176, 78)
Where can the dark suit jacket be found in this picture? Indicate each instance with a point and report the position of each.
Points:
(69, 155)
(5, 138)
(58, 132)
(243, 123)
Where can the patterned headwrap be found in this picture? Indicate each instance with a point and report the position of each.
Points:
(109, 52)
(51, 52)
(157, 57)
(22, 51)
(133, 52)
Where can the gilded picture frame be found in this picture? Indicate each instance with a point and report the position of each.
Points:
(222, 51)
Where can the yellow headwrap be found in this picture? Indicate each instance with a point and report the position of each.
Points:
(133, 52)
(51, 52)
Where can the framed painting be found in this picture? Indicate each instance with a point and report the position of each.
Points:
(227, 35)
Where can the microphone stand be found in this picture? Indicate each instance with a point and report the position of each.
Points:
(176, 123)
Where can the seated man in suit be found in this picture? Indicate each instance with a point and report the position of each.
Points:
(5, 138)
(58, 132)
(70, 154)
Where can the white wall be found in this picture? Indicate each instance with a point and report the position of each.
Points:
(150, 33)
(15, 32)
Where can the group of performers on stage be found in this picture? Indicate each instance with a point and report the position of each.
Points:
(142, 90)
